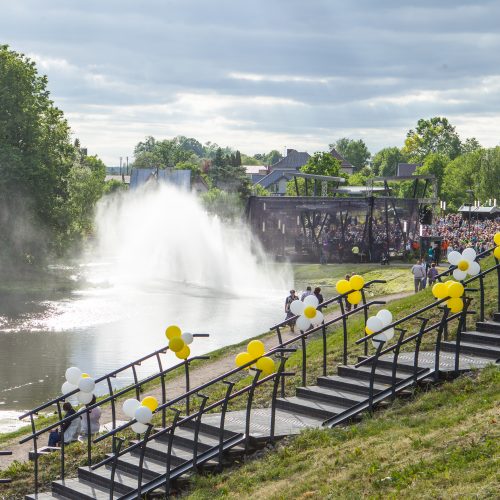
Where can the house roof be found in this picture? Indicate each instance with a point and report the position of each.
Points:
(274, 177)
(343, 162)
(407, 168)
(292, 161)
(255, 169)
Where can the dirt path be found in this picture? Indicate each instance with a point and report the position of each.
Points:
(198, 376)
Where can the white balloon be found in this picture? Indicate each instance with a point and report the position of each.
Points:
(474, 268)
(73, 375)
(129, 407)
(385, 316)
(303, 323)
(139, 428)
(318, 319)
(459, 275)
(187, 337)
(297, 307)
(377, 339)
(143, 414)
(469, 254)
(454, 257)
(67, 387)
(311, 300)
(86, 384)
(374, 324)
(388, 334)
(84, 398)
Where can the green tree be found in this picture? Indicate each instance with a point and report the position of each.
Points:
(435, 135)
(470, 145)
(160, 154)
(224, 174)
(36, 156)
(355, 152)
(360, 178)
(385, 162)
(434, 164)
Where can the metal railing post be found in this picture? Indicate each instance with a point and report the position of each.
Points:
(395, 363)
(61, 442)
(365, 314)
(197, 429)
(441, 329)
(35, 449)
(458, 339)
(141, 460)
(344, 330)
(249, 408)
(418, 341)
(163, 391)
(323, 333)
(229, 388)
(372, 374)
(117, 445)
(186, 376)
(481, 295)
(304, 360)
(276, 381)
(169, 449)
(113, 408)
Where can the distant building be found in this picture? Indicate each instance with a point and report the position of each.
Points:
(180, 178)
(256, 172)
(345, 166)
(405, 169)
(276, 181)
(293, 160)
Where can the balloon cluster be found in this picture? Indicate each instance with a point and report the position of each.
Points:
(496, 252)
(356, 283)
(142, 411)
(375, 323)
(307, 312)
(465, 263)
(178, 342)
(76, 379)
(255, 349)
(452, 289)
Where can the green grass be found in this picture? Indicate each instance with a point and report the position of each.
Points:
(443, 444)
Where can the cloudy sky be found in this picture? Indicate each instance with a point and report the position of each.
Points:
(260, 75)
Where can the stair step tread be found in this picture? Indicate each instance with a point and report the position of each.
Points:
(84, 489)
(362, 383)
(495, 337)
(127, 479)
(314, 404)
(476, 345)
(150, 464)
(400, 374)
(328, 391)
(162, 447)
(203, 438)
(494, 324)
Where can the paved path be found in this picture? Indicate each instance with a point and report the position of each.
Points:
(198, 376)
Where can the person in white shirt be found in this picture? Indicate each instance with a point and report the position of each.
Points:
(418, 275)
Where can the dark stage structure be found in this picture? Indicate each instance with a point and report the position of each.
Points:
(353, 224)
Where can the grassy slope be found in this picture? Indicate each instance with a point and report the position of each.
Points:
(444, 444)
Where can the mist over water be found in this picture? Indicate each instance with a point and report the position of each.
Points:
(160, 233)
(157, 259)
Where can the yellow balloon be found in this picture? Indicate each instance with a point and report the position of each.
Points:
(256, 348)
(455, 290)
(354, 298)
(150, 402)
(496, 239)
(455, 305)
(368, 331)
(85, 375)
(440, 290)
(496, 252)
(176, 344)
(242, 359)
(357, 282)
(309, 312)
(266, 365)
(173, 331)
(184, 352)
(463, 265)
(449, 283)
(343, 286)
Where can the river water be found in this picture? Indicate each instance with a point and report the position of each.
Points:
(158, 259)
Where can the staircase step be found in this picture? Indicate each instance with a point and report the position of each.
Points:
(124, 482)
(77, 489)
(130, 464)
(45, 496)
(383, 375)
(351, 384)
(481, 337)
(496, 317)
(158, 450)
(388, 363)
(309, 407)
(488, 326)
(184, 438)
(484, 350)
(334, 396)
(209, 429)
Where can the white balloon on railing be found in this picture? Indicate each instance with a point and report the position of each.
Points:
(318, 319)
(84, 398)
(143, 415)
(474, 268)
(68, 387)
(139, 428)
(469, 254)
(73, 375)
(459, 275)
(454, 257)
(385, 316)
(129, 407)
(187, 337)
(297, 307)
(374, 324)
(311, 300)
(86, 384)
(303, 323)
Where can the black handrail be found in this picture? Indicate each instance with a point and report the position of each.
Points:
(221, 377)
(326, 303)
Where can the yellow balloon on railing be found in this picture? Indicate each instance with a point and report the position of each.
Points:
(440, 290)
(496, 252)
(256, 348)
(455, 305)
(176, 344)
(343, 286)
(173, 331)
(150, 402)
(496, 239)
(242, 359)
(184, 352)
(354, 298)
(455, 290)
(266, 365)
(357, 282)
